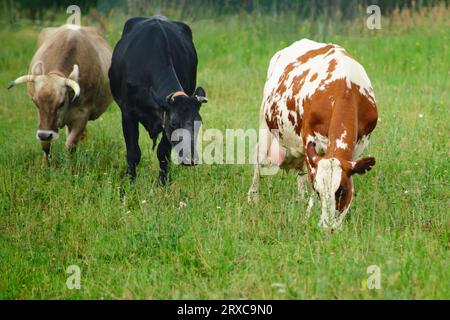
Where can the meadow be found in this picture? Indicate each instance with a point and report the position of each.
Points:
(136, 241)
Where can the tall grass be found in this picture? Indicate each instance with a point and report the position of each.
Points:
(135, 241)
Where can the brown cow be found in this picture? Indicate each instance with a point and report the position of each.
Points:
(320, 103)
(68, 81)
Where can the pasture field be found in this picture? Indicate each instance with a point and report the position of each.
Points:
(134, 241)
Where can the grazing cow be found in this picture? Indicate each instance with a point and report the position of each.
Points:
(152, 77)
(68, 82)
(320, 102)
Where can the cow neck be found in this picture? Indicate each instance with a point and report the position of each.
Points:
(342, 132)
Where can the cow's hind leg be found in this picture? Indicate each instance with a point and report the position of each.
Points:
(130, 127)
(261, 152)
(252, 195)
(164, 149)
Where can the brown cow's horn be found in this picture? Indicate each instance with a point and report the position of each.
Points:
(75, 87)
(22, 79)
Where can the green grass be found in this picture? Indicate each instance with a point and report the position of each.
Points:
(83, 211)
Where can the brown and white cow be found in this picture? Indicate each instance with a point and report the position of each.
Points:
(68, 81)
(320, 102)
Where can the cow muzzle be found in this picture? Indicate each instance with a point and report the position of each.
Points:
(47, 135)
(331, 221)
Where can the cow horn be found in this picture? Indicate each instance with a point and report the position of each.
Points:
(22, 79)
(75, 87)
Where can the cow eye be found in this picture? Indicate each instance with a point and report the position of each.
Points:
(173, 123)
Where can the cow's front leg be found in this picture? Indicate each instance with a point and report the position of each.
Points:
(164, 149)
(130, 127)
(75, 132)
(302, 184)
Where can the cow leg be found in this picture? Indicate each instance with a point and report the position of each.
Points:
(302, 184)
(130, 127)
(261, 154)
(75, 132)
(254, 188)
(164, 149)
(252, 195)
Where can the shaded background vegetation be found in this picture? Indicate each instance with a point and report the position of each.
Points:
(339, 9)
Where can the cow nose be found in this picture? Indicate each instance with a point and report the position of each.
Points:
(45, 136)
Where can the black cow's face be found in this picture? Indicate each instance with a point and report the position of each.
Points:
(182, 123)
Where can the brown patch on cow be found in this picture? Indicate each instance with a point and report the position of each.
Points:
(330, 53)
(271, 117)
(299, 81)
(314, 53)
(351, 111)
(331, 67)
(291, 118)
(283, 78)
(368, 116)
(314, 77)
(290, 103)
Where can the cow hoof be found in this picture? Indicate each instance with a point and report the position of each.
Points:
(253, 197)
(131, 177)
(163, 180)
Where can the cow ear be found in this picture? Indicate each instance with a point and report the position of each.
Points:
(312, 155)
(38, 69)
(200, 95)
(362, 166)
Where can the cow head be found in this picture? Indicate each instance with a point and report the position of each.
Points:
(182, 121)
(332, 180)
(51, 93)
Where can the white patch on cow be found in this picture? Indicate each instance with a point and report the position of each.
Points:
(55, 135)
(361, 145)
(321, 143)
(326, 183)
(340, 142)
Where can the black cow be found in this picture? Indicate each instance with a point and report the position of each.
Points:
(153, 77)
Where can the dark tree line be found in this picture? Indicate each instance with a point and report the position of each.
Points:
(347, 9)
